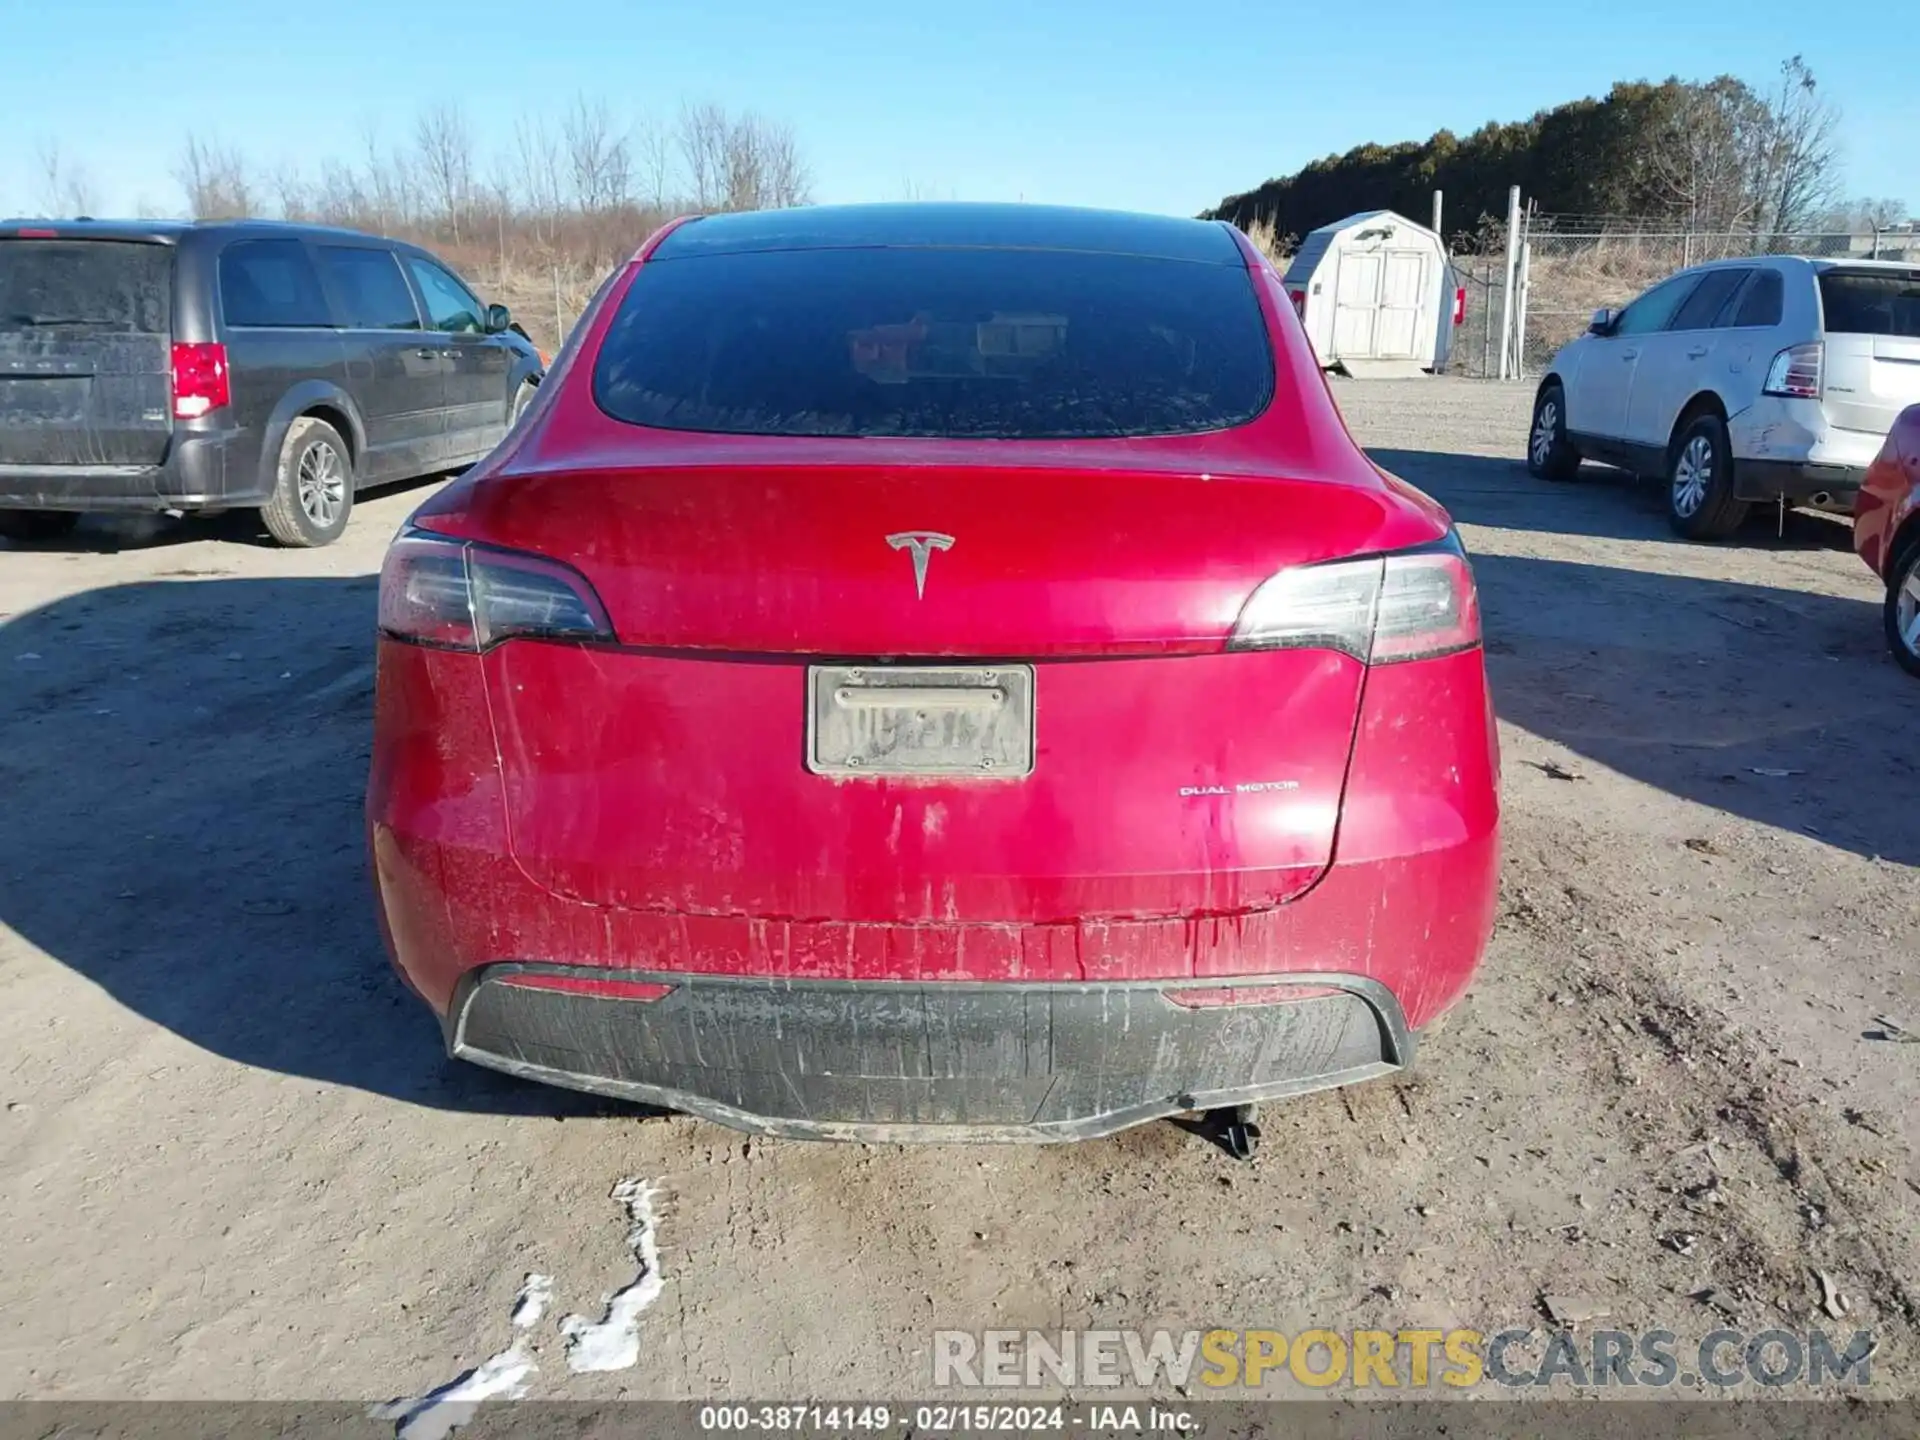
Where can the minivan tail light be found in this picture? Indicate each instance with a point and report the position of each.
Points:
(1409, 605)
(1797, 372)
(461, 595)
(199, 379)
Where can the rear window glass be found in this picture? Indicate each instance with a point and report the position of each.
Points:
(1761, 302)
(1857, 304)
(965, 343)
(119, 286)
(271, 284)
(368, 285)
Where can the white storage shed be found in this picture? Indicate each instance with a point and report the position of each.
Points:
(1377, 294)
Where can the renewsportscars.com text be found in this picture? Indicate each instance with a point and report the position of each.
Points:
(1413, 1359)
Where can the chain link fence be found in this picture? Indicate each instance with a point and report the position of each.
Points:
(1570, 273)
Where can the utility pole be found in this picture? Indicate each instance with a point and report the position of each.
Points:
(1436, 217)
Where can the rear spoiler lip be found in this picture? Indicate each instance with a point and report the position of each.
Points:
(83, 230)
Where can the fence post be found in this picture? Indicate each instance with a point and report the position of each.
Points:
(1520, 310)
(1513, 262)
(1486, 325)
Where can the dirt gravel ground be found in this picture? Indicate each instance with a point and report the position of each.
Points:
(234, 1163)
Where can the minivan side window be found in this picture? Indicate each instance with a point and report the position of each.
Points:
(1653, 309)
(271, 284)
(368, 285)
(450, 305)
(1709, 298)
(1763, 302)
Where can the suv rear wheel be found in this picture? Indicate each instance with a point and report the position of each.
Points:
(1550, 455)
(1903, 608)
(1701, 504)
(30, 525)
(313, 489)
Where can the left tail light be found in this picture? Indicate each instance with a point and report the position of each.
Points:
(461, 595)
(199, 379)
(1409, 605)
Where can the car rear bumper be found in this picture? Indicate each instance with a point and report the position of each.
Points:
(1787, 447)
(903, 1061)
(1832, 486)
(201, 472)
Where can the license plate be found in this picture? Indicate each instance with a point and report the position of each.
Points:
(920, 720)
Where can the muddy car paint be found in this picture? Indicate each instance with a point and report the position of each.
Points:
(615, 823)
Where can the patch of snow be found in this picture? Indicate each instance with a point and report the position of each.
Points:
(613, 1343)
(438, 1413)
(532, 1301)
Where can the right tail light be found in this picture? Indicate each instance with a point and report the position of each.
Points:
(1796, 372)
(1408, 605)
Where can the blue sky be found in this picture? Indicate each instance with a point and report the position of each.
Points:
(1140, 104)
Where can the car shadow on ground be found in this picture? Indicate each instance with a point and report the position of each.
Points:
(184, 765)
(1601, 502)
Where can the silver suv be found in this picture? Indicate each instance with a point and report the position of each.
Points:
(1759, 380)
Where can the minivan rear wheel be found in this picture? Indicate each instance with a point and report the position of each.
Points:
(31, 525)
(313, 487)
(1701, 502)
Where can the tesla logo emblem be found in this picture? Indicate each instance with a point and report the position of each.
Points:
(920, 544)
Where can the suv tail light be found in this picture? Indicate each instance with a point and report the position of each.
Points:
(1797, 372)
(1410, 605)
(461, 595)
(1460, 306)
(1299, 302)
(199, 379)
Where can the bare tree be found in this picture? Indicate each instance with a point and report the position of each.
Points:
(214, 179)
(748, 163)
(390, 185)
(1705, 156)
(598, 157)
(655, 153)
(65, 188)
(1798, 173)
(701, 136)
(784, 178)
(444, 147)
(536, 156)
(291, 190)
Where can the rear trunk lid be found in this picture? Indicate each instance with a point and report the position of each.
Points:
(1167, 778)
(1041, 561)
(1872, 320)
(85, 351)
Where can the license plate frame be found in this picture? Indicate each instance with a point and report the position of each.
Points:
(862, 721)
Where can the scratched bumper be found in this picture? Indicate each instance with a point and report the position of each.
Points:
(946, 1061)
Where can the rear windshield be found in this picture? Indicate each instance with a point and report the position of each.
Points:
(965, 343)
(1858, 304)
(121, 286)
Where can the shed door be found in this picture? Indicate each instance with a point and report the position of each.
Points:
(1356, 304)
(1396, 332)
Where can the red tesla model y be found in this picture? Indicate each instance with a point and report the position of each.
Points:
(934, 672)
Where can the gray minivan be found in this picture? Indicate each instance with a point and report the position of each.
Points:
(210, 366)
